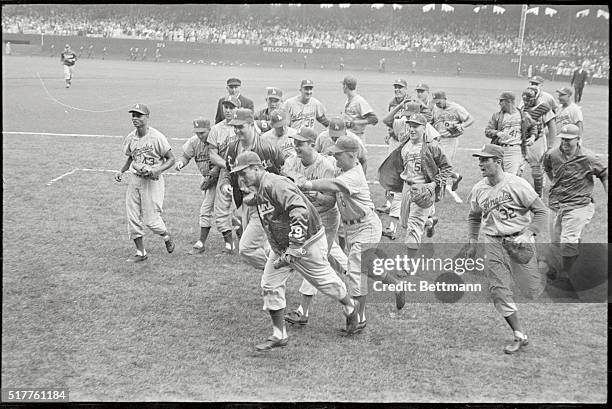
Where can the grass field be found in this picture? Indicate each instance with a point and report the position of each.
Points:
(182, 328)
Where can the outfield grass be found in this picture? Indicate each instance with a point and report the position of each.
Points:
(182, 328)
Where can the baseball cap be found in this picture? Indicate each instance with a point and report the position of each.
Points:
(439, 95)
(507, 95)
(569, 131)
(418, 119)
(422, 86)
(412, 107)
(234, 81)
(306, 134)
(272, 92)
(350, 81)
(67, 46)
(306, 83)
(230, 99)
(565, 91)
(537, 79)
(337, 127)
(277, 118)
(246, 159)
(490, 151)
(400, 81)
(530, 92)
(200, 124)
(345, 144)
(242, 116)
(140, 108)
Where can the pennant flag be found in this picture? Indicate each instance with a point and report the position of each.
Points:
(344, 5)
(583, 13)
(397, 6)
(447, 8)
(377, 6)
(498, 10)
(428, 7)
(549, 12)
(476, 9)
(533, 10)
(603, 13)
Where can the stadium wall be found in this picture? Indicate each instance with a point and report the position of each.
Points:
(444, 64)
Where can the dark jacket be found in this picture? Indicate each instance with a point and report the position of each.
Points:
(244, 103)
(287, 216)
(579, 78)
(434, 165)
(528, 128)
(270, 155)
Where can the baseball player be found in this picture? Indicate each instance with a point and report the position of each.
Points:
(274, 99)
(280, 135)
(81, 51)
(157, 54)
(570, 167)
(233, 89)
(513, 130)
(568, 112)
(398, 118)
(546, 100)
(416, 165)
(221, 136)
(104, 51)
(304, 109)
(423, 95)
(148, 155)
(68, 58)
(361, 225)
(450, 119)
(7, 48)
(326, 140)
(544, 118)
(90, 51)
(308, 164)
(357, 111)
(297, 239)
(253, 246)
(197, 148)
(509, 212)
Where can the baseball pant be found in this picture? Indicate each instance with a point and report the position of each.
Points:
(578, 94)
(565, 227)
(359, 237)
(314, 267)
(449, 147)
(336, 257)
(207, 207)
(513, 158)
(500, 269)
(413, 218)
(223, 208)
(254, 246)
(67, 72)
(535, 159)
(144, 201)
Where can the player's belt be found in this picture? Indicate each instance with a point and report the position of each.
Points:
(507, 145)
(501, 236)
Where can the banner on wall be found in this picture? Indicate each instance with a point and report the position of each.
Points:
(287, 50)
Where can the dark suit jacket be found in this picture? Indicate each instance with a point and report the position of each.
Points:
(244, 103)
(579, 78)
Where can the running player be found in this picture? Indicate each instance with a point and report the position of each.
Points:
(68, 58)
(304, 109)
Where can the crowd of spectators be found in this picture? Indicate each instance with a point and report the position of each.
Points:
(357, 28)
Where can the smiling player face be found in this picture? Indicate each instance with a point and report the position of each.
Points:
(306, 93)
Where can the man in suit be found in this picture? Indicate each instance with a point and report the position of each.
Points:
(579, 78)
(233, 89)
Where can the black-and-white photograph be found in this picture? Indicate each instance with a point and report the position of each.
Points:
(301, 203)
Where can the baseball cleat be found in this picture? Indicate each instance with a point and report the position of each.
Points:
(400, 299)
(169, 245)
(431, 229)
(360, 327)
(196, 249)
(272, 342)
(352, 321)
(295, 317)
(383, 209)
(137, 258)
(390, 233)
(237, 225)
(456, 182)
(516, 345)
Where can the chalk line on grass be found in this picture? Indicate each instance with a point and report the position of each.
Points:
(61, 177)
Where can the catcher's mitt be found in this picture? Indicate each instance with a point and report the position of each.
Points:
(521, 253)
(210, 179)
(423, 194)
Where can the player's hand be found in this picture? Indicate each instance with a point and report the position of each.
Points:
(226, 189)
(349, 124)
(524, 237)
(179, 165)
(118, 176)
(530, 141)
(155, 172)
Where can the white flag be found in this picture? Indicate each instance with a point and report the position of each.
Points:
(447, 8)
(583, 13)
(533, 10)
(476, 9)
(603, 13)
(397, 6)
(377, 6)
(428, 7)
(498, 10)
(549, 12)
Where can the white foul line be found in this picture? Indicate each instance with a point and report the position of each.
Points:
(59, 177)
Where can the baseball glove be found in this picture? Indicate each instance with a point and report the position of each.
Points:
(521, 253)
(423, 194)
(142, 169)
(210, 180)
(455, 130)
